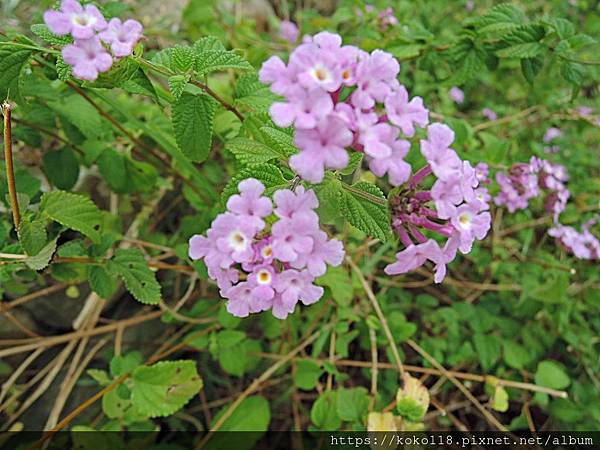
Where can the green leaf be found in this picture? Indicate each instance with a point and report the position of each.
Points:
(269, 174)
(552, 375)
(99, 376)
(250, 92)
(338, 280)
(352, 404)
(124, 364)
(73, 211)
(364, 205)
(41, 30)
(528, 50)
(248, 151)
(139, 280)
(165, 387)
(42, 259)
(177, 84)
(500, 399)
(215, 59)
(324, 412)
(77, 111)
(307, 374)
(140, 84)
(12, 63)
(208, 44)
(183, 58)
(515, 355)
(101, 282)
(252, 414)
(573, 72)
(32, 235)
(488, 349)
(193, 124)
(530, 67)
(61, 167)
(501, 17)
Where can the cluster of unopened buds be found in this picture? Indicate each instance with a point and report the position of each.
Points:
(89, 29)
(525, 181)
(261, 267)
(340, 97)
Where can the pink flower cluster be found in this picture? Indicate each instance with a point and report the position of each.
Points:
(369, 119)
(259, 269)
(525, 181)
(89, 29)
(455, 208)
(385, 17)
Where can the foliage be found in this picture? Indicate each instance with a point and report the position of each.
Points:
(114, 176)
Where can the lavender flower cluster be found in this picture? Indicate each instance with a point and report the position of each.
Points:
(259, 269)
(525, 181)
(455, 208)
(368, 120)
(340, 97)
(89, 29)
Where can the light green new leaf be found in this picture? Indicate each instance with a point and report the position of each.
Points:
(364, 206)
(73, 211)
(551, 374)
(139, 280)
(193, 124)
(352, 404)
(165, 387)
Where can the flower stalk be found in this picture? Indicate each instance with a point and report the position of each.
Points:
(10, 171)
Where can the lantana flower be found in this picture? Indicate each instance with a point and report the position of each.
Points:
(259, 268)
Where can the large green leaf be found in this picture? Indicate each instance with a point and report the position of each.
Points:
(193, 124)
(165, 387)
(73, 211)
(13, 60)
(269, 174)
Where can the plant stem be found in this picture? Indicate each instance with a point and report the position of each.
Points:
(10, 171)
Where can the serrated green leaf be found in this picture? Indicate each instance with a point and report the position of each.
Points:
(219, 60)
(177, 84)
(307, 374)
(32, 235)
(501, 17)
(365, 206)
(42, 259)
(269, 174)
(324, 412)
(207, 44)
(279, 141)
(12, 62)
(573, 72)
(193, 124)
(139, 280)
(73, 211)
(529, 50)
(101, 282)
(61, 167)
(140, 84)
(248, 151)
(63, 70)
(530, 67)
(183, 58)
(412, 399)
(41, 30)
(165, 387)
